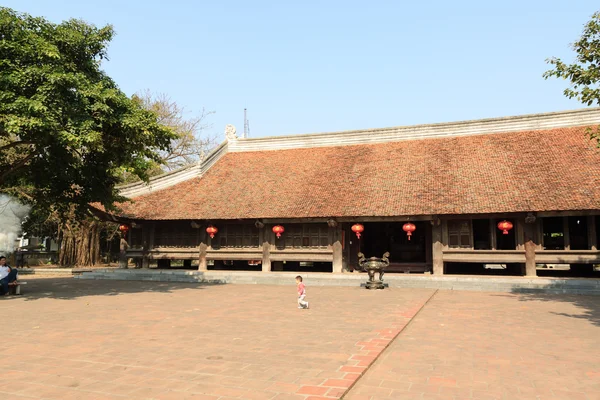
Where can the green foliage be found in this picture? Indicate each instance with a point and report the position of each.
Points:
(67, 133)
(584, 73)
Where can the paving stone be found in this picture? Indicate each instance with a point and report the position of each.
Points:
(131, 339)
(493, 346)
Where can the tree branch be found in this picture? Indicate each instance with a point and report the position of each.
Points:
(15, 144)
(16, 166)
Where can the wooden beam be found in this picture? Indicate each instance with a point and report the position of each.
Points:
(592, 237)
(567, 213)
(484, 256)
(275, 221)
(396, 218)
(568, 257)
(437, 249)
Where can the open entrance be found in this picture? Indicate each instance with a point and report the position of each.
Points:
(405, 255)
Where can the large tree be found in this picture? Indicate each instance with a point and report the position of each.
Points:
(191, 139)
(67, 132)
(584, 73)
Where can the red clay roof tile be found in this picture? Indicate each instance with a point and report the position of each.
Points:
(548, 170)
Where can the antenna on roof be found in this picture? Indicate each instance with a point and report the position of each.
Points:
(246, 124)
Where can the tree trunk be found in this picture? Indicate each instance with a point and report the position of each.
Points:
(80, 243)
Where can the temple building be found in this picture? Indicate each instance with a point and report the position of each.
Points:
(514, 194)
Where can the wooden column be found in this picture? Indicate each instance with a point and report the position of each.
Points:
(146, 230)
(437, 249)
(202, 264)
(266, 256)
(152, 229)
(567, 237)
(493, 233)
(520, 234)
(530, 245)
(428, 245)
(539, 228)
(592, 238)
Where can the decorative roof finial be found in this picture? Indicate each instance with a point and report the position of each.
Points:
(230, 132)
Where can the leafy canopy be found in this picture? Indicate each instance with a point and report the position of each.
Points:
(191, 140)
(584, 73)
(67, 132)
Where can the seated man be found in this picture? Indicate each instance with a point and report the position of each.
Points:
(7, 275)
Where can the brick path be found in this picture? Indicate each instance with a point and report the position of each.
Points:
(75, 339)
(470, 345)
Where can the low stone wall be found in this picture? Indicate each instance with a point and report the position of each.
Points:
(447, 282)
(47, 271)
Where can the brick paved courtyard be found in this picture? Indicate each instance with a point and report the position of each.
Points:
(76, 339)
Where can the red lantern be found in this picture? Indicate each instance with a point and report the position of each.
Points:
(123, 228)
(505, 226)
(409, 228)
(278, 230)
(358, 229)
(212, 231)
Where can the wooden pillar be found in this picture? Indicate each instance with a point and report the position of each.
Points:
(337, 257)
(566, 236)
(152, 229)
(520, 234)
(592, 238)
(530, 245)
(345, 258)
(493, 233)
(266, 256)
(428, 245)
(539, 228)
(202, 264)
(437, 249)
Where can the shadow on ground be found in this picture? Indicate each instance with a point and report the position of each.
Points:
(589, 305)
(68, 288)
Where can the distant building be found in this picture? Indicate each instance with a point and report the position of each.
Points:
(452, 183)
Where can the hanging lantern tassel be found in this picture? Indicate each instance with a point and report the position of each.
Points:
(409, 228)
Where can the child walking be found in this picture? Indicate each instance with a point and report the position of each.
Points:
(302, 303)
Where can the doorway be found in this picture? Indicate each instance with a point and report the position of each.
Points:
(405, 255)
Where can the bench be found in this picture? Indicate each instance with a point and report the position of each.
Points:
(15, 287)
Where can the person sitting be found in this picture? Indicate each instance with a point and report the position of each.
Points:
(7, 275)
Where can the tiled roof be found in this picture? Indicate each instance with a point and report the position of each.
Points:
(547, 170)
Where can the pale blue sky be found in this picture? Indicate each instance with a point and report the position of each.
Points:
(314, 66)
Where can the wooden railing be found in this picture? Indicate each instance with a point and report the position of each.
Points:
(518, 256)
